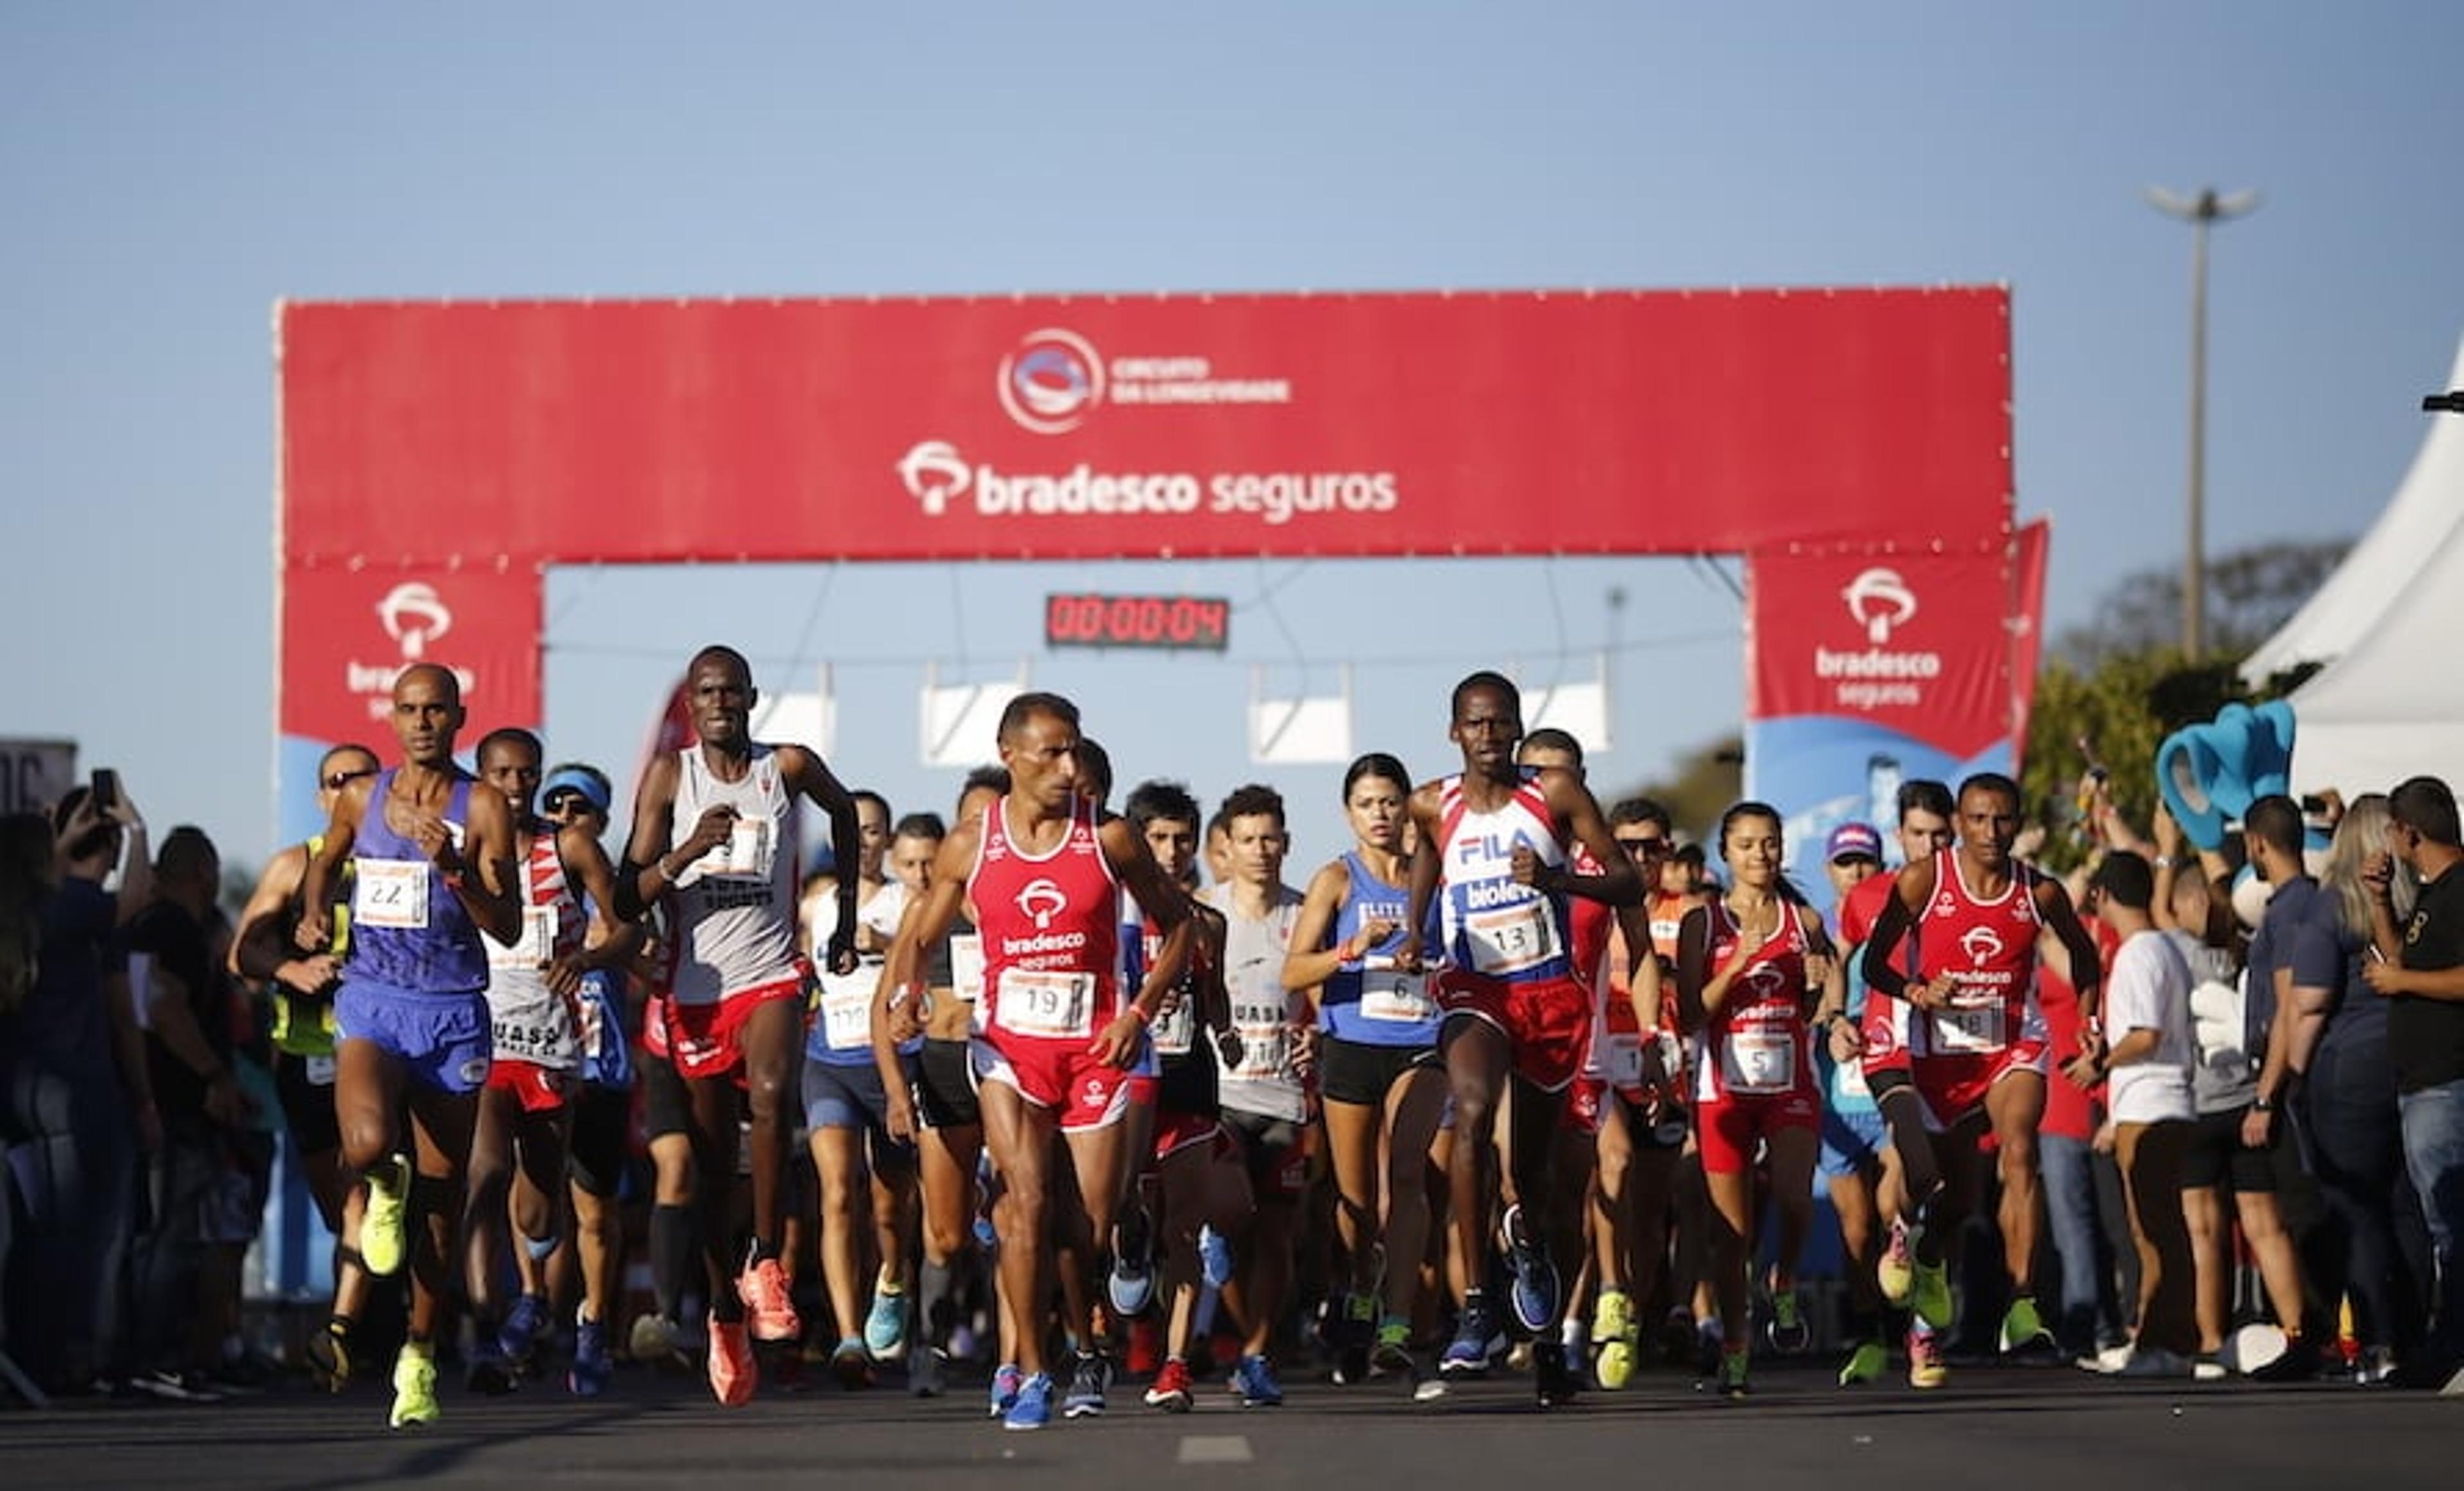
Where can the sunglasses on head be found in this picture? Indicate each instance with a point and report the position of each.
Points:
(336, 782)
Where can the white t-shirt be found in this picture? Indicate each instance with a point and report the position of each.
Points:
(2149, 988)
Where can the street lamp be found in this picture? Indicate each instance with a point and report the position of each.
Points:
(2198, 212)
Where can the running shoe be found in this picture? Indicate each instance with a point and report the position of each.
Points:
(2023, 1330)
(1730, 1381)
(1479, 1336)
(588, 1379)
(1534, 1294)
(1787, 1331)
(769, 1312)
(488, 1373)
(1006, 1381)
(652, 1338)
(1929, 1300)
(2372, 1368)
(851, 1364)
(2204, 1367)
(381, 1225)
(885, 1326)
(172, 1385)
(1254, 1379)
(1613, 1336)
(518, 1337)
(1032, 1407)
(1088, 1382)
(2106, 1361)
(1130, 1288)
(1865, 1363)
(1354, 1334)
(733, 1374)
(1214, 1258)
(1393, 1352)
(1710, 1343)
(414, 1388)
(1170, 1391)
(329, 1354)
(2155, 1361)
(1895, 1270)
(1553, 1381)
(924, 1369)
(1926, 1366)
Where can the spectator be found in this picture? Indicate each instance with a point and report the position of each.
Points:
(77, 1101)
(2425, 991)
(2345, 1110)
(2147, 1019)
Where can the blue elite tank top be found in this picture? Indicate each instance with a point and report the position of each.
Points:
(407, 929)
(1370, 1001)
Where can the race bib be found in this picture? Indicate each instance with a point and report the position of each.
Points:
(967, 966)
(594, 1026)
(1391, 994)
(1047, 1004)
(535, 948)
(1175, 1032)
(1621, 1059)
(320, 1070)
(1851, 1075)
(390, 893)
(1758, 1062)
(1970, 1032)
(847, 1008)
(1508, 939)
(1265, 1050)
(751, 844)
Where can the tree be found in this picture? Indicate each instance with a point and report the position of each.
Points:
(2251, 592)
(1707, 781)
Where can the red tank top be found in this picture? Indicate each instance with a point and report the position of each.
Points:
(1050, 924)
(1988, 949)
(1757, 1045)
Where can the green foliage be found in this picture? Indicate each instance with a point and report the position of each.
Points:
(1707, 781)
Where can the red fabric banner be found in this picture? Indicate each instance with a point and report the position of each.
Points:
(349, 632)
(1099, 425)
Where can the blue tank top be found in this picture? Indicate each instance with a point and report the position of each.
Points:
(407, 929)
(607, 1054)
(1368, 1001)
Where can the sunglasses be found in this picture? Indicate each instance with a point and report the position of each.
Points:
(557, 804)
(337, 780)
(1641, 847)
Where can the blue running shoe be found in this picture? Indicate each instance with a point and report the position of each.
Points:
(1087, 1384)
(591, 1365)
(885, 1329)
(1033, 1409)
(1535, 1278)
(1254, 1379)
(1130, 1288)
(1479, 1336)
(1006, 1380)
(518, 1337)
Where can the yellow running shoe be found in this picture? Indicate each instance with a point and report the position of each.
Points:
(1929, 1296)
(2023, 1328)
(1865, 1363)
(381, 1226)
(1895, 1270)
(1926, 1366)
(1613, 1334)
(414, 1386)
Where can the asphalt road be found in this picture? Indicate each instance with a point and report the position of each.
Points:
(1997, 1427)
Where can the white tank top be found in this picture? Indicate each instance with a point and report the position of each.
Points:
(735, 906)
(1264, 1011)
(530, 1022)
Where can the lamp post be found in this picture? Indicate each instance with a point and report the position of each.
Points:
(2199, 211)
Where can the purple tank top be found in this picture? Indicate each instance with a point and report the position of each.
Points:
(407, 929)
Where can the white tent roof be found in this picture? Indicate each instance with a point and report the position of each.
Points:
(2390, 703)
(2390, 557)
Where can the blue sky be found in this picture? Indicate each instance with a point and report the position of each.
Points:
(170, 171)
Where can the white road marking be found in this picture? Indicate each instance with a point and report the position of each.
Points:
(1214, 1449)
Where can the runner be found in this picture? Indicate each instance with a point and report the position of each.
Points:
(1059, 1036)
(299, 990)
(1964, 1039)
(1383, 1089)
(846, 1100)
(714, 831)
(1199, 1186)
(1500, 837)
(519, 1149)
(1855, 1146)
(576, 799)
(1636, 1061)
(1265, 1095)
(1750, 968)
(432, 866)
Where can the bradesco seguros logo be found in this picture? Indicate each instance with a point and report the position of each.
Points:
(411, 616)
(1879, 603)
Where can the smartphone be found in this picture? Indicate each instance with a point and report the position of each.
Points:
(106, 790)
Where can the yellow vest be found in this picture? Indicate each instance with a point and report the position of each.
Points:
(303, 1024)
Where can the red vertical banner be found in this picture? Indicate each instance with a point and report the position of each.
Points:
(2033, 544)
(348, 631)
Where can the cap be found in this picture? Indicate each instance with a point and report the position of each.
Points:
(588, 785)
(1854, 841)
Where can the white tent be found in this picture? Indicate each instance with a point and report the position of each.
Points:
(2390, 702)
(2396, 552)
